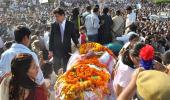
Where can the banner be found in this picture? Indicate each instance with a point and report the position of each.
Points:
(43, 1)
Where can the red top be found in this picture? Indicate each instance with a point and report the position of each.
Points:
(38, 94)
(82, 38)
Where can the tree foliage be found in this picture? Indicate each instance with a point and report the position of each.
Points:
(161, 1)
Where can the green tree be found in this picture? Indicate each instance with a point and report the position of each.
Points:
(161, 1)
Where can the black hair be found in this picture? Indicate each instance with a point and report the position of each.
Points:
(105, 10)
(88, 8)
(97, 6)
(47, 69)
(133, 52)
(82, 28)
(133, 36)
(118, 13)
(158, 58)
(162, 41)
(133, 27)
(166, 57)
(59, 11)
(143, 34)
(136, 49)
(37, 32)
(126, 59)
(128, 8)
(20, 32)
(19, 68)
(95, 10)
(75, 11)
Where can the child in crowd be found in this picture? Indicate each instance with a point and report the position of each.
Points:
(47, 70)
(83, 37)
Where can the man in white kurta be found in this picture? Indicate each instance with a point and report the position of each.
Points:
(118, 24)
(131, 18)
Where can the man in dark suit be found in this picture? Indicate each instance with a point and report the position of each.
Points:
(62, 31)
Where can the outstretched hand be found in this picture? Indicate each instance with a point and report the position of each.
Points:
(136, 72)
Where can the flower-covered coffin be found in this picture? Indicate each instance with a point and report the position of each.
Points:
(88, 74)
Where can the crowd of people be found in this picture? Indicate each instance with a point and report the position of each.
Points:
(36, 43)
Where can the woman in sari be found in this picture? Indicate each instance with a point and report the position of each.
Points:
(22, 85)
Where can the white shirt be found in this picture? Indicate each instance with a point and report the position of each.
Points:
(7, 57)
(92, 24)
(62, 25)
(85, 14)
(125, 38)
(123, 76)
(131, 18)
(46, 39)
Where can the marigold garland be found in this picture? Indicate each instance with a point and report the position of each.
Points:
(83, 72)
(85, 75)
(94, 47)
(93, 61)
(82, 78)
